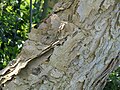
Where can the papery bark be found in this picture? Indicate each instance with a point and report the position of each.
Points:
(76, 48)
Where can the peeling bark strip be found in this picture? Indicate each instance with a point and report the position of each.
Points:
(74, 49)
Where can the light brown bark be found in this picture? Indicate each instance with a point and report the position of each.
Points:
(74, 49)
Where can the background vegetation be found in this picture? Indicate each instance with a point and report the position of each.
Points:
(15, 24)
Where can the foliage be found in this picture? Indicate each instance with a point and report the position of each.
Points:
(113, 81)
(13, 29)
(14, 26)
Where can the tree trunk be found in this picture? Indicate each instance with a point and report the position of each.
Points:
(75, 48)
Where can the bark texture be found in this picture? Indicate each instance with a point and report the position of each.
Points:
(75, 48)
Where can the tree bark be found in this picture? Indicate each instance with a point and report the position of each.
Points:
(75, 48)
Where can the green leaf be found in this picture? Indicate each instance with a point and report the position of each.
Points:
(9, 8)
